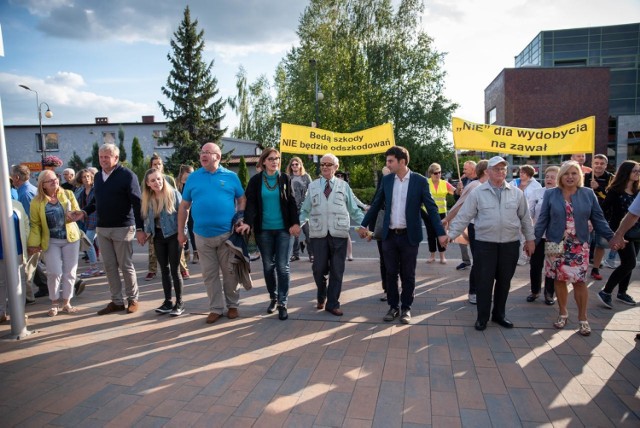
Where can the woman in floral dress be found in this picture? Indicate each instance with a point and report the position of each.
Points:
(565, 215)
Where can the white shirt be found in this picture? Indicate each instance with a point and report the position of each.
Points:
(398, 218)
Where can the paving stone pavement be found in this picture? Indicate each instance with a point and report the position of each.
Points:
(318, 370)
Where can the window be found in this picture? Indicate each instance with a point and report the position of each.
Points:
(108, 138)
(157, 135)
(51, 142)
(492, 117)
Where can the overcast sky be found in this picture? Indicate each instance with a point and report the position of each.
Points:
(89, 58)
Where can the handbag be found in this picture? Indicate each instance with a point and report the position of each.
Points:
(85, 242)
(554, 248)
(377, 230)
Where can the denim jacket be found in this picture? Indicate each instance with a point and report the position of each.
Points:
(553, 220)
(168, 222)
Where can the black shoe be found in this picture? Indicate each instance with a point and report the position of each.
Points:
(78, 287)
(532, 297)
(165, 308)
(30, 302)
(481, 325)
(548, 299)
(503, 322)
(282, 312)
(177, 310)
(405, 317)
(41, 293)
(392, 314)
(383, 298)
(272, 306)
(294, 258)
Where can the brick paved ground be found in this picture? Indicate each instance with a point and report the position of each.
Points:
(317, 370)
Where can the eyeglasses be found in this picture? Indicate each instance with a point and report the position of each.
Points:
(499, 169)
(636, 171)
(204, 152)
(273, 159)
(295, 164)
(53, 180)
(436, 172)
(326, 165)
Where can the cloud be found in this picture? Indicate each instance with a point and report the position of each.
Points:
(68, 102)
(224, 21)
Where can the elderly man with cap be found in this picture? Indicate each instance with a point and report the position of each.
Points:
(500, 213)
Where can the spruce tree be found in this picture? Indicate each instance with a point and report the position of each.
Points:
(95, 155)
(75, 162)
(137, 156)
(243, 172)
(123, 151)
(194, 118)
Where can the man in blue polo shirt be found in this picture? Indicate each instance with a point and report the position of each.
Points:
(214, 195)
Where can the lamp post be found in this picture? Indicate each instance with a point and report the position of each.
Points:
(318, 96)
(48, 114)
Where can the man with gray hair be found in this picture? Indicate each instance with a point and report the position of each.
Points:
(329, 206)
(117, 201)
(68, 174)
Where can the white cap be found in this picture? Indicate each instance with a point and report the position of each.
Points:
(496, 160)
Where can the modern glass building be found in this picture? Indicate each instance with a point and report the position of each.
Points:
(616, 47)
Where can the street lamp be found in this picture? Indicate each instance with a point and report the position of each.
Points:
(319, 96)
(48, 114)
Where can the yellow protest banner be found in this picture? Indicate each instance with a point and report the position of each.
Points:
(315, 141)
(575, 137)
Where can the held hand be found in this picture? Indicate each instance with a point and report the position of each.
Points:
(294, 230)
(243, 228)
(617, 243)
(141, 237)
(443, 240)
(182, 238)
(363, 232)
(529, 248)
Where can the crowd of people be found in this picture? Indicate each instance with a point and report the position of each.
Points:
(559, 229)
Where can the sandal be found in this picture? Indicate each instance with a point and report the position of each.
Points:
(562, 321)
(585, 329)
(69, 309)
(53, 311)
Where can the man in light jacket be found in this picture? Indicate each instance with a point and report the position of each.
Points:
(500, 211)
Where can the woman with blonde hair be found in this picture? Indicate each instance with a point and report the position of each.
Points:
(54, 231)
(300, 181)
(439, 189)
(159, 209)
(564, 219)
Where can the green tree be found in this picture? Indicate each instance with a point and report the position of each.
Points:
(137, 156)
(196, 113)
(374, 65)
(76, 162)
(123, 151)
(255, 108)
(243, 172)
(95, 155)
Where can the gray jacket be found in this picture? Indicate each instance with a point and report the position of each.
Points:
(496, 220)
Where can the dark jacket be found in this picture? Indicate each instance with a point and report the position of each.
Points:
(615, 206)
(117, 200)
(417, 195)
(253, 210)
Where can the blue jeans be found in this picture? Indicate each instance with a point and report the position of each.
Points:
(274, 251)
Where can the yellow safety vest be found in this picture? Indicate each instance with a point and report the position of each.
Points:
(439, 195)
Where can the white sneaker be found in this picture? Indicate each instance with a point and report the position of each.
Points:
(472, 299)
(611, 264)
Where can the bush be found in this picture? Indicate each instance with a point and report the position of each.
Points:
(365, 195)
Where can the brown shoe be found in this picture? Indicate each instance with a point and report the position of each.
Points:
(320, 304)
(233, 313)
(133, 306)
(337, 312)
(213, 317)
(111, 307)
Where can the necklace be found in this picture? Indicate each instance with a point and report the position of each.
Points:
(266, 182)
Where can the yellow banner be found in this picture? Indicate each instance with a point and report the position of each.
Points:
(575, 137)
(315, 141)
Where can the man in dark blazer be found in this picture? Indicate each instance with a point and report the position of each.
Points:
(403, 192)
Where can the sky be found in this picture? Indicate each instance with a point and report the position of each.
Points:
(96, 58)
